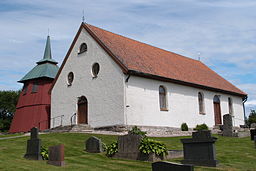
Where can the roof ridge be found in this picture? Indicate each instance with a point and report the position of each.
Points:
(179, 55)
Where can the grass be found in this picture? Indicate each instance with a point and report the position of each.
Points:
(234, 154)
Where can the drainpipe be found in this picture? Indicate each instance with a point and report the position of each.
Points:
(244, 100)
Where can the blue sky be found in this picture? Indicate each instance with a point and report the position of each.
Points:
(223, 31)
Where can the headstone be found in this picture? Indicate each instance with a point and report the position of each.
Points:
(128, 146)
(255, 141)
(253, 133)
(56, 155)
(253, 125)
(93, 145)
(33, 146)
(227, 125)
(200, 149)
(168, 166)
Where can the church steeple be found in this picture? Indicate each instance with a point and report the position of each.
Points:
(47, 51)
(46, 67)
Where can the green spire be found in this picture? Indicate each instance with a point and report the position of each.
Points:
(46, 67)
(47, 51)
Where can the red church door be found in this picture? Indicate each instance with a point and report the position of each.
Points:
(82, 110)
(217, 110)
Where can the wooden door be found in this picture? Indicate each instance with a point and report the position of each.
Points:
(217, 113)
(82, 111)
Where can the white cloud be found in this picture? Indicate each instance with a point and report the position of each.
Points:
(223, 31)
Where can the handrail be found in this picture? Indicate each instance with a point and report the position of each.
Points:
(71, 119)
(61, 118)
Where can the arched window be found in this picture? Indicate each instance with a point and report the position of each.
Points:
(230, 106)
(70, 78)
(95, 69)
(201, 103)
(162, 98)
(83, 48)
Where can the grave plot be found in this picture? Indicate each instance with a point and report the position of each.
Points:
(33, 146)
(200, 149)
(56, 155)
(93, 145)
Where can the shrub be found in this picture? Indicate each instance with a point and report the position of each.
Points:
(252, 117)
(112, 149)
(201, 127)
(44, 153)
(137, 131)
(148, 146)
(184, 127)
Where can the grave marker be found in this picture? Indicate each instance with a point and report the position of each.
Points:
(93, 145)
(169, 166)
(56, 155)
(200, 149)
(128, 146)
(33, 146)
(253, 133)
(228, 126)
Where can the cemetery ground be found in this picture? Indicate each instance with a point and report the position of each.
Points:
(232, 153)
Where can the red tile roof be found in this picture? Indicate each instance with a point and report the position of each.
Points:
(141, 59)
(150, 60)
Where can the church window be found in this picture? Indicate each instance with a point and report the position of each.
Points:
(162, 98)
(25, 89)
(83, 48)
(35, 87)
(201, 103)
(70, 78)
(230, 106)
(95, 69)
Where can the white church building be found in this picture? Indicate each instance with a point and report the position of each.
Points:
(110, 80)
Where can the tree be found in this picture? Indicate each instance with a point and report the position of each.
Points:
(8, 101)
(252, 117)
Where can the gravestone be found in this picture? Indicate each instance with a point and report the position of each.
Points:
(128, 146)
(56, 155)
(93, 145)
(200, 149)
(253, 133)
(168, 166)
(253, 125)
(227, 126)
(33, 146)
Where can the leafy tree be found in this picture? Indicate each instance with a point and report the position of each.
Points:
(8, 101)
(252, 117)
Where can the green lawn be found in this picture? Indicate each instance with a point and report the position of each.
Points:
(233, 153)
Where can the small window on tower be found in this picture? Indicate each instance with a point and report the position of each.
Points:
(35, 87)
(25, 89)
(83, 48)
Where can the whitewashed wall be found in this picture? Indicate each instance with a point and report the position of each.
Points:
(105, 94)
(142, 105)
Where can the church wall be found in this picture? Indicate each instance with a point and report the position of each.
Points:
(142, 104)
(105, 94)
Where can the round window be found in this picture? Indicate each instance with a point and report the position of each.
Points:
(95, 69)
(70, 78)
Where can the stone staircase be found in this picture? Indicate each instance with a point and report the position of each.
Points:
(83, 128)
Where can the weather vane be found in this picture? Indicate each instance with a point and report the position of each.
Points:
(199, 54)
(83, 17)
